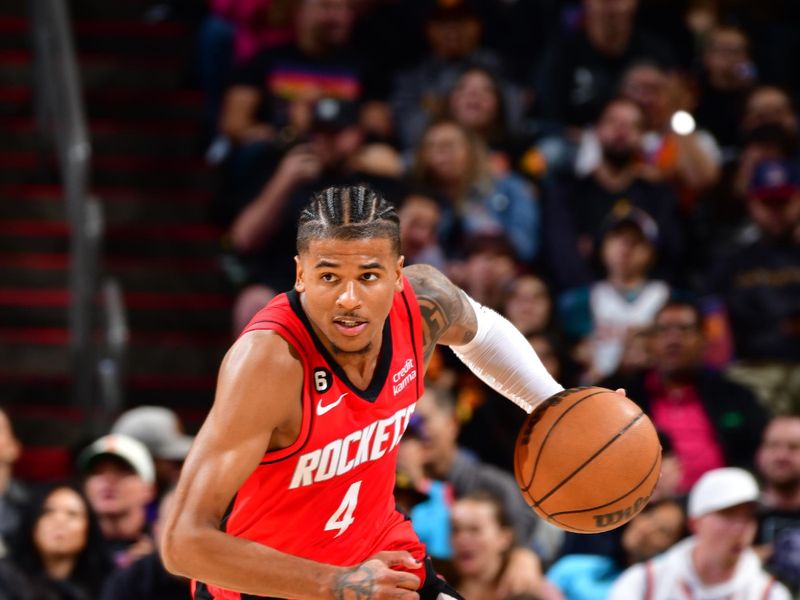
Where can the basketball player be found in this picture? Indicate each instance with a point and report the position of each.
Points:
(287, 491)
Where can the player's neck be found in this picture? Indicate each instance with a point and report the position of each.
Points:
(359, 367)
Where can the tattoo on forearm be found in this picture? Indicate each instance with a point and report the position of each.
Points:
(356, 585)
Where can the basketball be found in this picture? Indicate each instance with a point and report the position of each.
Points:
(587, 459)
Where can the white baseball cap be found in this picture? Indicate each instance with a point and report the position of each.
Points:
(123, 447)
(158, 428)
(719, 489)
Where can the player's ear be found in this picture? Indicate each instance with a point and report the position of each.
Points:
(299, 286)
(399, 273)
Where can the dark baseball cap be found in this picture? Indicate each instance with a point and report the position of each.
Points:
(774, 179)
(334, 114)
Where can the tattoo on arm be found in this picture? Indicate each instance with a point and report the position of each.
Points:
(444, 307)
(434, 323)
(355, 585)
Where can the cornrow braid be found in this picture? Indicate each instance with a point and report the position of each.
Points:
(348, 212)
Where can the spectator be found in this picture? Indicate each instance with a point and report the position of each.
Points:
(420, 214)
(669, 482)
(452, 160)
(453, 32)
(429, 500)
(659, 526)
(717, 561)
(760, 285)
(61, 551)
(160, 430)
(575, 212)
(147, 577)
(270, 107)
(552, 350)
(769, 105)
(722, 216)
(265, 229)
(257, 23)
(13, 495)
(483, 538)
(688, 159)
(711, 422)
(232, 33)
(770, 141)
(488, 269)
(478, 101)
(444, 460)
(603, 315)
(728, 75)
(529, 305)
(778, 536)
(768, 131)
(582, 71)
(272, 94)
(119, 479)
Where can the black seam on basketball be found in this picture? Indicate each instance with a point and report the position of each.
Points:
(571, 527)
(552, 427)
(628, 493)
(590, 459)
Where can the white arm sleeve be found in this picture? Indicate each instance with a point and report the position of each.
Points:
(501, 356)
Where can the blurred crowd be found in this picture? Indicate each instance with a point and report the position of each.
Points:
(619, 178)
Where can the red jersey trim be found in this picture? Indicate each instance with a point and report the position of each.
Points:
(415, 327)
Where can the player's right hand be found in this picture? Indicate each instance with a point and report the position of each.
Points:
(377, 580)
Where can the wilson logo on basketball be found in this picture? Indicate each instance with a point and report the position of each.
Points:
(621, 515)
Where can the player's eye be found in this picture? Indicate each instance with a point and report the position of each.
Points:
(328, 277)
(370, 276)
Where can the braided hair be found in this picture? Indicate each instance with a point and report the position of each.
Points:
(348, 212)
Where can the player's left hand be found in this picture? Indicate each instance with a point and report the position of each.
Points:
(381, 578)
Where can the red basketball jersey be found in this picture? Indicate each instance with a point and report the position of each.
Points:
(329, 496)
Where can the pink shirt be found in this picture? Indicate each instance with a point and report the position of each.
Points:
(679, 413)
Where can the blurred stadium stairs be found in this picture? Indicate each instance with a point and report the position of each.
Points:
(145, 120)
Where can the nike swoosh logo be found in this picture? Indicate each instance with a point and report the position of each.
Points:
(323, 408)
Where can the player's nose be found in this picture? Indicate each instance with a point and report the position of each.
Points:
(349, 299)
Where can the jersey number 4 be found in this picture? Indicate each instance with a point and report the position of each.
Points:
(342, 517)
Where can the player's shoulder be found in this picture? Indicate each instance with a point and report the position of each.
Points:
(427, 280)
(262, 350)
